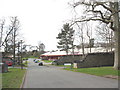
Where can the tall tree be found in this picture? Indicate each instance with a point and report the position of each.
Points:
(105, 12)
(66, 38)
(40, 46)
(15, 26)
(10, 34)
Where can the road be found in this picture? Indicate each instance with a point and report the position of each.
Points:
(55, 77)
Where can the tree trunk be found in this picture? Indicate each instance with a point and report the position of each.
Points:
(117, 50)
(117, 38)
(83, 52)
(14, 47)
(90, 44)
(73, 51)
(111, 41)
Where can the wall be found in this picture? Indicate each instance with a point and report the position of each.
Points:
(69, 59)
(97, 60)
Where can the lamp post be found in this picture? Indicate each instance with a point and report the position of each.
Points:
(21, 55)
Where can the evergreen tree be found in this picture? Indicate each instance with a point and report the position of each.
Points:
(66, 38)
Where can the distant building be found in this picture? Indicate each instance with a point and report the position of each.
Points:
(55, 55)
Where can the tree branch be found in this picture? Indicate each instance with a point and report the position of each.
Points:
(103, 5)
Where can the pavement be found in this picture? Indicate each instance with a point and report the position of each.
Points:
(55, 77)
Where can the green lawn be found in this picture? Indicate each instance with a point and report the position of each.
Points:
(0, 80)
(47, 61)
(99, 71)
(30, 57)
(13, 78)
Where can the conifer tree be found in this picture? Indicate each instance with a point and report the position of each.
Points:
(66, 38)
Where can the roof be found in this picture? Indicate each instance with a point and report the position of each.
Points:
(77, 52)
(59, 53)
(95, 50)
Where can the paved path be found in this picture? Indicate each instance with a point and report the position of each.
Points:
(55, 77)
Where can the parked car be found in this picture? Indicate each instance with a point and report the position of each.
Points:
(36, 61)
(9, 62)
(55, 62)
(40, 64)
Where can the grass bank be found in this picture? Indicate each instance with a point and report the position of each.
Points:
(13, 78)
(98, 71)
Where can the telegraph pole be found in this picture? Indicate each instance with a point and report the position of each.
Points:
(21, 56)
(18, 53)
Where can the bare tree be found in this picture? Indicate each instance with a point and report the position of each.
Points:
(1, 30)
(41, 46)
(15, 27)
(106, 12)
(81, 36)
(10, 34)
(107, 35)
(89, 35)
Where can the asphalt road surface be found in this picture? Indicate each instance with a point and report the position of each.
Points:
(55, 77)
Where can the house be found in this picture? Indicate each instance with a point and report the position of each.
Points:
(55, 55)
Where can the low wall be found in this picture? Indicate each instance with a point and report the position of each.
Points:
(69, 59)
(97, 60)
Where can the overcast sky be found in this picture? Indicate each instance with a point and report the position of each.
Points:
(41, 20)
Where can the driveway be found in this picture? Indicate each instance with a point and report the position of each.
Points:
(55, 77)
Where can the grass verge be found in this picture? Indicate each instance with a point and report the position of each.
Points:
(13, 78)
(25, 64)
(98, 71)
(65, 66)
(47, 61)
